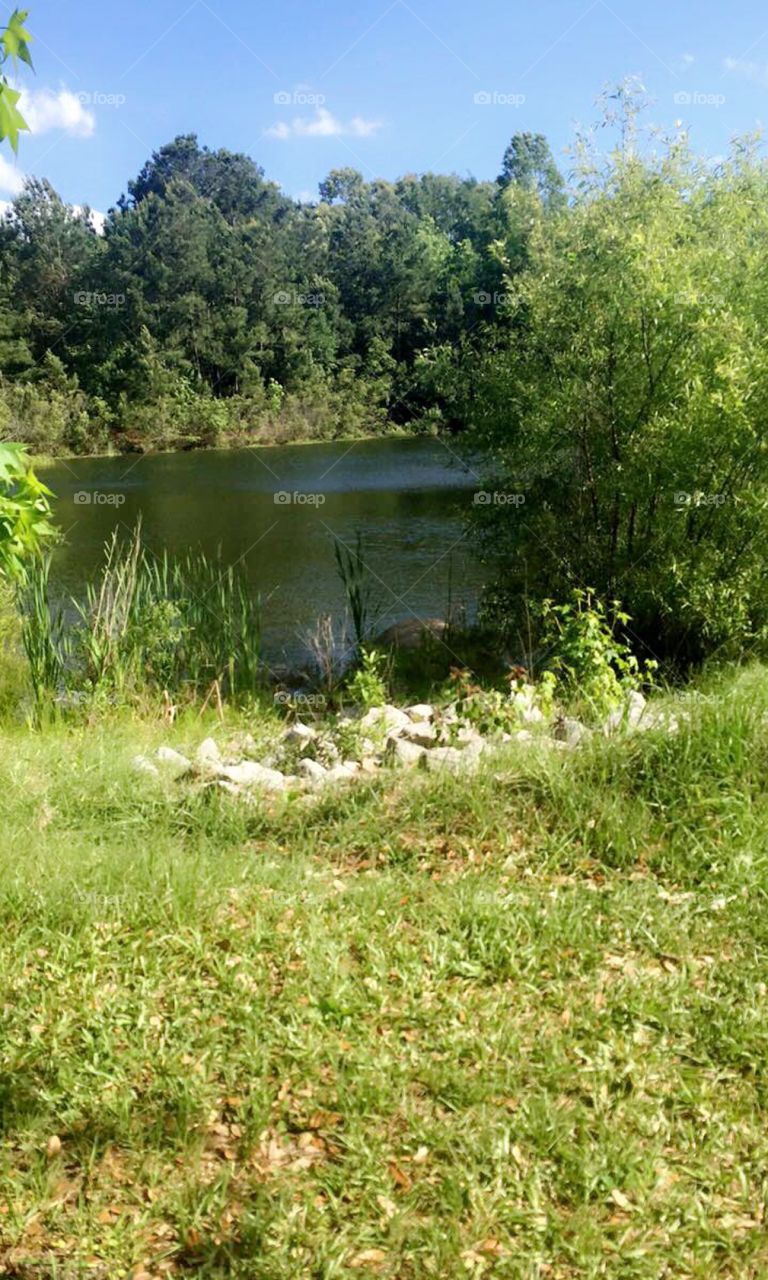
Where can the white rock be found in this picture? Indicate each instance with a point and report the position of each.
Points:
(299, 734)
(422, 734)
(174, 759)
(208, 753)
(452, 759)
(251, 774)
(522, 735)
(384, 720)
(312, 770)
(420, 711)
(340, 773)
(142, 765)
(628, 716)
(571, 731)
(407, 754)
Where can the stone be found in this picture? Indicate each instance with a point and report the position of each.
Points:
(208, 753)
(421, 733)
(384, 720)
(340, 773)
(299, 734)
(420, 711)
(173, 759)
(571, 731)
(311, 770)
(452, 759)
(628, 716)
(142, 765)
(251, 774)
(412, 633)
(409, 755)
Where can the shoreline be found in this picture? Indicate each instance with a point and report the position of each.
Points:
(42, 460)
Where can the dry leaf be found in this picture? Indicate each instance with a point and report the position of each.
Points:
(368, 1258)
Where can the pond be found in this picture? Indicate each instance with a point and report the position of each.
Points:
(277, 512)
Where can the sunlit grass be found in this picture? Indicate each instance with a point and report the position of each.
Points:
(510, 1027)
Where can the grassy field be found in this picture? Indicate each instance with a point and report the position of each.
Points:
(513, 1027)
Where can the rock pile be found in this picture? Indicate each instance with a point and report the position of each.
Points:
(438, 739)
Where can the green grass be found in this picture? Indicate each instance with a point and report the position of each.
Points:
(513, 1027)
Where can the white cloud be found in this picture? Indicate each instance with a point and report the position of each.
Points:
(11, 178)
(96, 218)
(43, 109)
(323, 125)
(756, 71)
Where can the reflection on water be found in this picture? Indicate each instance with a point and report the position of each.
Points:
(277, 511)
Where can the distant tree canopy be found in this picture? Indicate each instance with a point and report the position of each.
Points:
(210, 284)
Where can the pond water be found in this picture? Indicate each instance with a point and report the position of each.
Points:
(277, 511)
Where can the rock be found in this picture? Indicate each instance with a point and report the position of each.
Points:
(207, 753)
(420, 711)
(384, 720)
(626, 717)
(452, 759)
(173, 759)
(299, 734)
(311, 770)
(522, 735)
(523, 700)
(341, 773)
(570, 731)
(412, 633)
(468, 736)
(409, 755)
(251, 774)
(143, 765)
(422, 734)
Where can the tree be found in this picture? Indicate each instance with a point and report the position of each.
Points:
(630, 403)
(24, 505)
(528, 164)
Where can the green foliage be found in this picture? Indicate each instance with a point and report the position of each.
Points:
(629, 400)
(25, 525)
(584, 651)
(14, 48)
(147, 623)
(368, 687)
(358, 586)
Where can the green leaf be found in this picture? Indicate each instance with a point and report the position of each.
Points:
(15, 39)
(12, 121)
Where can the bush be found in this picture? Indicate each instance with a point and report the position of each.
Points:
(629, 404)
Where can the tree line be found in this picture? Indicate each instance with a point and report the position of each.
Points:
(214, 307)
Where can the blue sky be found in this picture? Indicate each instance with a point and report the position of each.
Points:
(387, 86)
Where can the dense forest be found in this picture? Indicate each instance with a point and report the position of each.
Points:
(213, 307)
